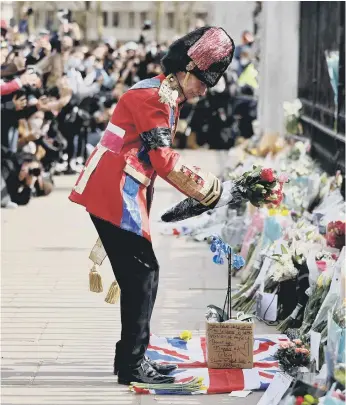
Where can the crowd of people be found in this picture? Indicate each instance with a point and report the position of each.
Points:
(57, 95)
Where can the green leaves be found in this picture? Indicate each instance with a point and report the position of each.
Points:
(284, 250)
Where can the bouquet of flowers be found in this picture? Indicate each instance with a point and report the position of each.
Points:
(331, 300)
(336, 234)
(340, 374)
(262, 186)
(318, 292)
(303, 392)
(283, 268)
(244, 299)
(301, 286)
(339, 314)
(292, 117)
(291, 356)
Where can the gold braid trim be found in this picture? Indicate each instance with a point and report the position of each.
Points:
(170, 91)
(203, 187)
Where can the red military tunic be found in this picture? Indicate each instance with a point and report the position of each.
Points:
(116, 184)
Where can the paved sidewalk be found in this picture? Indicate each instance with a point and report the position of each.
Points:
(57, 337)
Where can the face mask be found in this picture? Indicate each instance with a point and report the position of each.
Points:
(244, 61)
(74, 63)
(88, 64)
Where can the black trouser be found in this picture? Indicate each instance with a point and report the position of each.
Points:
(137, 271)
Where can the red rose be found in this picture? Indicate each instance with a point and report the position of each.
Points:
(330, 226)
(299, 400)
(279, 198)
(332, 240)
(340, 226)
(267, 175)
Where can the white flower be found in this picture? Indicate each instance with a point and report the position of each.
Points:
(297, 106)
(283, 269)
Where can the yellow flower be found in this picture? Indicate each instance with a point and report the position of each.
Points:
(309, 399)
(320, 281)
(200, 380)
(186, 335)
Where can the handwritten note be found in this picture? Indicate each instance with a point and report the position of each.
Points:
(230, 345)
(276, 390)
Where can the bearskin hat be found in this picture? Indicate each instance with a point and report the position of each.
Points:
(205, 52)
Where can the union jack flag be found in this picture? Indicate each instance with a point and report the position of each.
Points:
(191, 357)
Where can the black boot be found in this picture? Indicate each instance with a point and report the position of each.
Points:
(145, 373)
(163, 369)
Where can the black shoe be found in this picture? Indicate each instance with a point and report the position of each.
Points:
(145, 373)
(163, 369)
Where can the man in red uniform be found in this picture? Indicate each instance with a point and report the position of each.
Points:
(116, 185)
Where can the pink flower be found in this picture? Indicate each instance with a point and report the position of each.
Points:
(278, 197)
(283, 178)
(297, 342)
(302, 351)
(321, 264)
(284, 345)
(267, 175)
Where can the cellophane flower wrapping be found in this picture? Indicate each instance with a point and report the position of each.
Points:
(322, 266)
(332, 296)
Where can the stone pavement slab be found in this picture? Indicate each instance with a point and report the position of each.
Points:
(57, 337)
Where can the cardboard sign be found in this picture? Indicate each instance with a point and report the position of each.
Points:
(276, 389)
(230, 344)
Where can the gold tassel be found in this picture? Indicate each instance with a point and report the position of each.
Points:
(113, 293)
(186, 79)
(95, 280)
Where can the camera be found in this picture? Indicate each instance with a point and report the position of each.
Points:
(36, 171)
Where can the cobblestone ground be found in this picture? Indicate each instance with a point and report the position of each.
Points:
(57, 337)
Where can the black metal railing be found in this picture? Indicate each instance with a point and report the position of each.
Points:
(322, 33)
